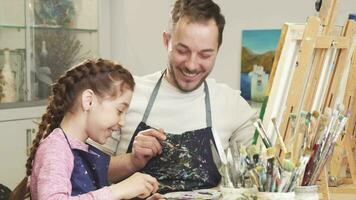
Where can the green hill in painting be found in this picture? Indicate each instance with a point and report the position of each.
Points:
(248, 59)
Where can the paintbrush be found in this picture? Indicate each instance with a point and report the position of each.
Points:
(260, 129)
(328, 149)
(280, 138)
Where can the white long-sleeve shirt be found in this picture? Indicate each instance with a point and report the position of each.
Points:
(176, 112)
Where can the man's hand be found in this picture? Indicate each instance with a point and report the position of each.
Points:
(147, 144)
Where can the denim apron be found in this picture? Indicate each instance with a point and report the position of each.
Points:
(90, 171)
(186, 162)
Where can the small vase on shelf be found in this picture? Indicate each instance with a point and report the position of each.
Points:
(9, 85)
(43, 74)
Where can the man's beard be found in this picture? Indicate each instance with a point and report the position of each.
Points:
(172, 74)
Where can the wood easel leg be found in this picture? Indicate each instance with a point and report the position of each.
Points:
(335, 163)
(324, 186)
(350, 157)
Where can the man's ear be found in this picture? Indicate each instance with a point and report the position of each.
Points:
(166, 40)
(87, 99)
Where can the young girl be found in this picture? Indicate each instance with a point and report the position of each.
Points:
(88, 101)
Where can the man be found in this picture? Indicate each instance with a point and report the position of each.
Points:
(178, 119)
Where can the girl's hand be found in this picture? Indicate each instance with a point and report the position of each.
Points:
(137, 185)
(156, 196)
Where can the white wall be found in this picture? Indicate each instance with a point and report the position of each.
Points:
(105, 29)
(137, 25)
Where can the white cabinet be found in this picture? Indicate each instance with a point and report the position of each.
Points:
(17, 131)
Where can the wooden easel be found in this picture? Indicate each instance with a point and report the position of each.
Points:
(318, 38)
(306, 76)
(347, 142)
(333, 89)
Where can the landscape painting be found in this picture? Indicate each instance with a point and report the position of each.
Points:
(257, 54)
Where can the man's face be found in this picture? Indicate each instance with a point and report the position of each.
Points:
(192, 50)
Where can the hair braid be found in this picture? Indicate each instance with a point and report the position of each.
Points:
(97, 75)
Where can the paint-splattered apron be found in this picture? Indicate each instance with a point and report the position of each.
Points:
(186, 162)
(90, 171)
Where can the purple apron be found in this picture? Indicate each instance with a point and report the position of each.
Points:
(90, 171)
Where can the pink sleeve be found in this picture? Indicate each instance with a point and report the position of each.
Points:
(51, 174)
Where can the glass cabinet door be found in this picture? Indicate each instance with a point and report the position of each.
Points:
(39, 45)
(12, 51)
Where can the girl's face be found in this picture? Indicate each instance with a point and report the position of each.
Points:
(107, 115)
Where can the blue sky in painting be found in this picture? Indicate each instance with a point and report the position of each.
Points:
(251, 39)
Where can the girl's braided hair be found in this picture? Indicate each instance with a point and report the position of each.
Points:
(98, 75)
